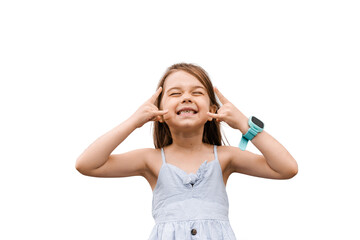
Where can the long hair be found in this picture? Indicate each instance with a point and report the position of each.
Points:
(211, 135)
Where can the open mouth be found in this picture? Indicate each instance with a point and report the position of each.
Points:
(186, 112)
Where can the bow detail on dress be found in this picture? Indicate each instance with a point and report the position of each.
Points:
(194, 178)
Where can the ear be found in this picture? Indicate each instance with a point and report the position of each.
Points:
(213, 109)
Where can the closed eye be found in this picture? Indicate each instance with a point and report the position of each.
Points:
(198, 93)
(172, 94)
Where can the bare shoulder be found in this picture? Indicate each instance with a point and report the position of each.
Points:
(150, 160)
(223, 153)
(153, 163)
(236, 159)
(224, 156)
(227, 152)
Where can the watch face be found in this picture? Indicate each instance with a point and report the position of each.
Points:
(257, 122)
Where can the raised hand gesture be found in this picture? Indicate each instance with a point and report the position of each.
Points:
(229, 113)
(148, 111)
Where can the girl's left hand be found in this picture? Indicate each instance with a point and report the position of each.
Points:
(229, 114)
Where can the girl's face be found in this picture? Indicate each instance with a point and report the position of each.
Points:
(187, 101)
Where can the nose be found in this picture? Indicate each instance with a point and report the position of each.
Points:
(186, 98)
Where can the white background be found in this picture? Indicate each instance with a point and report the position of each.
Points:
(72, 70)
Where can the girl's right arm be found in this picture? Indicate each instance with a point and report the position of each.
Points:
(96, 160)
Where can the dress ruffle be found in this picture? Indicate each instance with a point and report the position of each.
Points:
(198, 177)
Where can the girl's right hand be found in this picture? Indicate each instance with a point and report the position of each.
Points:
(148, 111)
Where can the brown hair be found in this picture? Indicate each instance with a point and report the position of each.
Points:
(212, 134)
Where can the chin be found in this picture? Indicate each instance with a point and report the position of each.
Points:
(187, 126)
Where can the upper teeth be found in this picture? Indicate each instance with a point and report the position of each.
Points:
(187, 111)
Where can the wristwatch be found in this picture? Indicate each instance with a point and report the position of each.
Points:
(256, 126)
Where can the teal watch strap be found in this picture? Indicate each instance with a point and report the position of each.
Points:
(251, 133)
(243, 143)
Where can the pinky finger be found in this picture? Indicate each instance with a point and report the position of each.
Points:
(162, 112)
(215, 115)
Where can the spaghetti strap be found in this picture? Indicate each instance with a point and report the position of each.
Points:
(215, 152)
(163, 155)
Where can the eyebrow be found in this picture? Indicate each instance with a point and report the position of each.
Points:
(178, 88)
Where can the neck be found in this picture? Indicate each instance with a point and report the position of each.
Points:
(189, 141)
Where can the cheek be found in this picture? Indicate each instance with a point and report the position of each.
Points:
(168, 101)
(163, 102)
(205, 103)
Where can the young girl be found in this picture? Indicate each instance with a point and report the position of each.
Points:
(189, 167)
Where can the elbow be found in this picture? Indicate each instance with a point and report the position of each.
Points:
(80, 168)
(292, 171)
(289, 171)
(82, 171)
(85, 170)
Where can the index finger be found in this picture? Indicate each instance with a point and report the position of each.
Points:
(221, 97)
(155, 96)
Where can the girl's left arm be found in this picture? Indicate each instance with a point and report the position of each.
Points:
(275, 155)
(276, 162)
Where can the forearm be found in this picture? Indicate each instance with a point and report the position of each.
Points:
(99, 151)
(276, 155)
